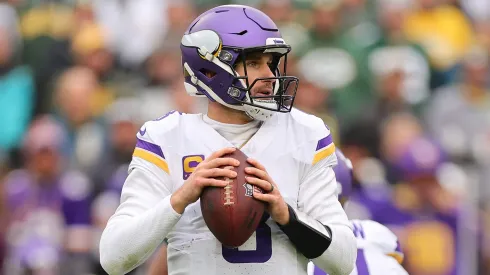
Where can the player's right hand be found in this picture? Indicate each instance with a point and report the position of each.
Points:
(207, 173)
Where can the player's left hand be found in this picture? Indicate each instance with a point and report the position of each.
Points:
(277, 207)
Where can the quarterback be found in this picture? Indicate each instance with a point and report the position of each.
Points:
(378, 249)
(233, 55)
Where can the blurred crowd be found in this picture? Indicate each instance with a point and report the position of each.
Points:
(404, 86)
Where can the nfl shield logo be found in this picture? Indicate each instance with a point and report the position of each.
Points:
(249, 190)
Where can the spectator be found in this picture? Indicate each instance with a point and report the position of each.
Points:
(458, 113)
(421, 211)
(334, 60)
(17, 90)
(135, 28)
(49, 228)
(86, 132)
(445, 34)
(458, 118)
(402, 54)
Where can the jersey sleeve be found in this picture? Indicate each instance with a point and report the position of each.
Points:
(324, 148)
(375, 235)
(318, 188)
(147, 153)
(317, 199)
(312, 140)
(152, 141)
(145, 215)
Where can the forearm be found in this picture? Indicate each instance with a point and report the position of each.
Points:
(340, 257)
(327, 234)
(331, 247)
(137, 228)
(129, 241)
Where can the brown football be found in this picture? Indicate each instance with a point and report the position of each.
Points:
(231, 213)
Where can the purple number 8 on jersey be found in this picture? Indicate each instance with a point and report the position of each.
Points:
(260, 255)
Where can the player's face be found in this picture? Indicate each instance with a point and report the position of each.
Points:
(258, 66)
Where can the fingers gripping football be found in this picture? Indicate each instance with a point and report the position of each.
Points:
(262, 178)
(276, 206)
(209, 172)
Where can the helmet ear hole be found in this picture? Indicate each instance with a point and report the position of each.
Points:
(208, 73)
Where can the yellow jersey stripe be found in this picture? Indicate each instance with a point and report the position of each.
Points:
(152, 158)
(327, 151)
(398, 257)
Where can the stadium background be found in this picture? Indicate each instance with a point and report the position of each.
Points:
(403, 84)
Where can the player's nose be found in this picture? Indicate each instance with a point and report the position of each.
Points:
(267, 72)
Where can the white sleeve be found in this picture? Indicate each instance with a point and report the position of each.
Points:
(140, 223)
(396, 269)
(374, 235)
(318, 200)
(379, 263)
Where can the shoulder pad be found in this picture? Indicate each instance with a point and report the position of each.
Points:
(377, 236)
(150, 139)
(306, 120)
(159, 126)
(321, 145)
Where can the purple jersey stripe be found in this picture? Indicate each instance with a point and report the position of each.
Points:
(318, 271)
(358, 230)
(155, 149)
(398, 247)
(324, 142)
(361, 264)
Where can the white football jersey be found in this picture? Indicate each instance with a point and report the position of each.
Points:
(296, 149)
(378, 251)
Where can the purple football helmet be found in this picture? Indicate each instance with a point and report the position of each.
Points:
(217, 41)
(343, 173)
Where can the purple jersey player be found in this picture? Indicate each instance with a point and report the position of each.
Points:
(234, 56)
(48, 210)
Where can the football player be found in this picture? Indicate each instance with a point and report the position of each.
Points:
(378, 249)
(233, 55)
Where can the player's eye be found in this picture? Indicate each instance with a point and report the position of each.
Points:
(253, 64)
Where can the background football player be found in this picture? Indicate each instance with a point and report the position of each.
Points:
(235, 56)
(378, 249)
